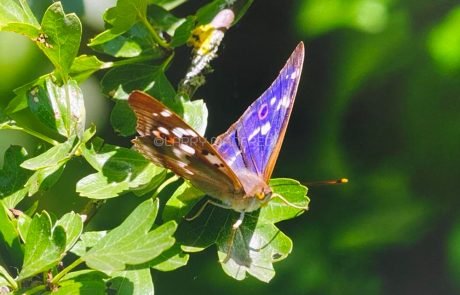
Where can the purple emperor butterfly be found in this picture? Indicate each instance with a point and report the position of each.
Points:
(236, 169)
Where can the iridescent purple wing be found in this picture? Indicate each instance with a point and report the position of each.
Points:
(254, 141)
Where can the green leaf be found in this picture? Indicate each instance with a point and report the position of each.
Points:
(121, 81)
(183, 32)
(132, 242)
(181, 202)
(72, 224)
(30, 31)
(44, 247)
(11, 12)
(168, 4)
(123, 119)
(87, 241)
(163, 20)
(196, 115)
(45, 178)
(50, 158)
(63, 33)
(135, 282)
(85, 65)
(82, 282)
(61, 108)
(128, 12)
(13, 177)
(6, 280)
(10, 245)
(23, 225)
(170, 260)
(257, 243)
(136, 41)
(119, 169)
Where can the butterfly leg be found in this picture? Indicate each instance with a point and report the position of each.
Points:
(208, 202)
(235, 227)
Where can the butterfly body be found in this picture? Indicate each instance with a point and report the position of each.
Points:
(236, 169)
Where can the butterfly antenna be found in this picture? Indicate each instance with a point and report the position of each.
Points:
(285, 201)
(326, 182)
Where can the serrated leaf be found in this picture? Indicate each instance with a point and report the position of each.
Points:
(44, 247)
(50, 158)
(72, 224)
(135, 282)
(132, 242)
(9, 239)
(61, 108)
(181, 202)
(63, 33)
(13, 177)
(119, 169)
(257, 243)
(123, 119)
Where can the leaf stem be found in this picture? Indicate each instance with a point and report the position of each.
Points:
(154, 33)
(128, 61)
(31, 132)
(66, 270)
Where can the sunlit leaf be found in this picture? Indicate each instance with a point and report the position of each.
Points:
(257, 243)
(132, 242)
(63, 36)
(119, 169)
(44, 247)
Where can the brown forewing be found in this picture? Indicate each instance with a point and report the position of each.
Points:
(168, 141)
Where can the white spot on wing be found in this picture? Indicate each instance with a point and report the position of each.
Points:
(178, 131)
(187, 149)
(284, 102)
(163, 130)
(253, 133)
(265, 128)
(294, 74)
(155, 114)
(273, 100)
(191, 133)
(165, 113)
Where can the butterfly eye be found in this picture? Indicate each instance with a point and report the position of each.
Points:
(260, 196)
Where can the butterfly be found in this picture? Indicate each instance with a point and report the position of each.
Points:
(236, 169)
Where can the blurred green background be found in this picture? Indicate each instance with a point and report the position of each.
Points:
(379, 103)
